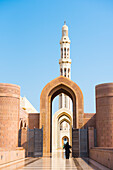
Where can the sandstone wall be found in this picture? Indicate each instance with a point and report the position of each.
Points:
(33, 120)
(104, 114)
(24, 142)
(89, 120)
(102, 155)
(9, 115)
(12, 155)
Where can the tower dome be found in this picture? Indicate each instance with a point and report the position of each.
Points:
(65, 27)
(64, 30)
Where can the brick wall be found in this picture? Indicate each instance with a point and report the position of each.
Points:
(12, 155)
(89, 120)
(91, 137)
(33, 120)
(9, 115)
(104, 115)
(102, 155)
(24, 139)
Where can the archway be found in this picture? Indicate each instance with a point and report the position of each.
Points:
(49, 92)
(65, 137)
(21, 124)
(58, 117)
(66, 131)
(25, 124)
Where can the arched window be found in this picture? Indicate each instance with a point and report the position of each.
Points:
(61, 72)
(61, 126)
(25, 125)
(64, 72)
(64, 52)
(68, 53)
(68, 72)
(61, 53)
(21, 124)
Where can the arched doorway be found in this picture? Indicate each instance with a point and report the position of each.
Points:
(65, 139)
(49, 92)
(57, 133)
(65, 132)
(21, 124)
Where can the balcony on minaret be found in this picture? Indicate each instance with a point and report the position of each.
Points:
(65, 39)
(65, 60)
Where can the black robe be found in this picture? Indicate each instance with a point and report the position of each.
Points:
(67, 150)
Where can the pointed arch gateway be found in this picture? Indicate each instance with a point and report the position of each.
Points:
(64, 137)
(50, 91)
(59, 116)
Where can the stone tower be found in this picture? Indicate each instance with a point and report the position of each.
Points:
(9, 115)
(65, 65)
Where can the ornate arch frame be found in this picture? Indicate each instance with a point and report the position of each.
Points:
(50, 91)
(63, 139)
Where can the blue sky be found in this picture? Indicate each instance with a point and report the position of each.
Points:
(30, 31)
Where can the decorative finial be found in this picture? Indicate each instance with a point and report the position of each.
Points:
(64, 22)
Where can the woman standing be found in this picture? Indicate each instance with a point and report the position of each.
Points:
(67, 150)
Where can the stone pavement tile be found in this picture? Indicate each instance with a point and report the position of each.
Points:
(58, 162)
(49, 163)
(18, 163)
(96, 164)
(81, 164)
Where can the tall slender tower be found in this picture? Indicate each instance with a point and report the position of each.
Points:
(65, 65)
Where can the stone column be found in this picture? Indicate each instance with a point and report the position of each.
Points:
(9, 115)
(104, 114)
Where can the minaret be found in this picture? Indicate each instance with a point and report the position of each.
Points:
(65, 64)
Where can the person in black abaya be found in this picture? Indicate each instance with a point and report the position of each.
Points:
(67, 150)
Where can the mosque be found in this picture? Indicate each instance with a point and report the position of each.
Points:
(26, 132)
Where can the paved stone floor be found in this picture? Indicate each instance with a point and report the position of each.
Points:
(58, 162)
